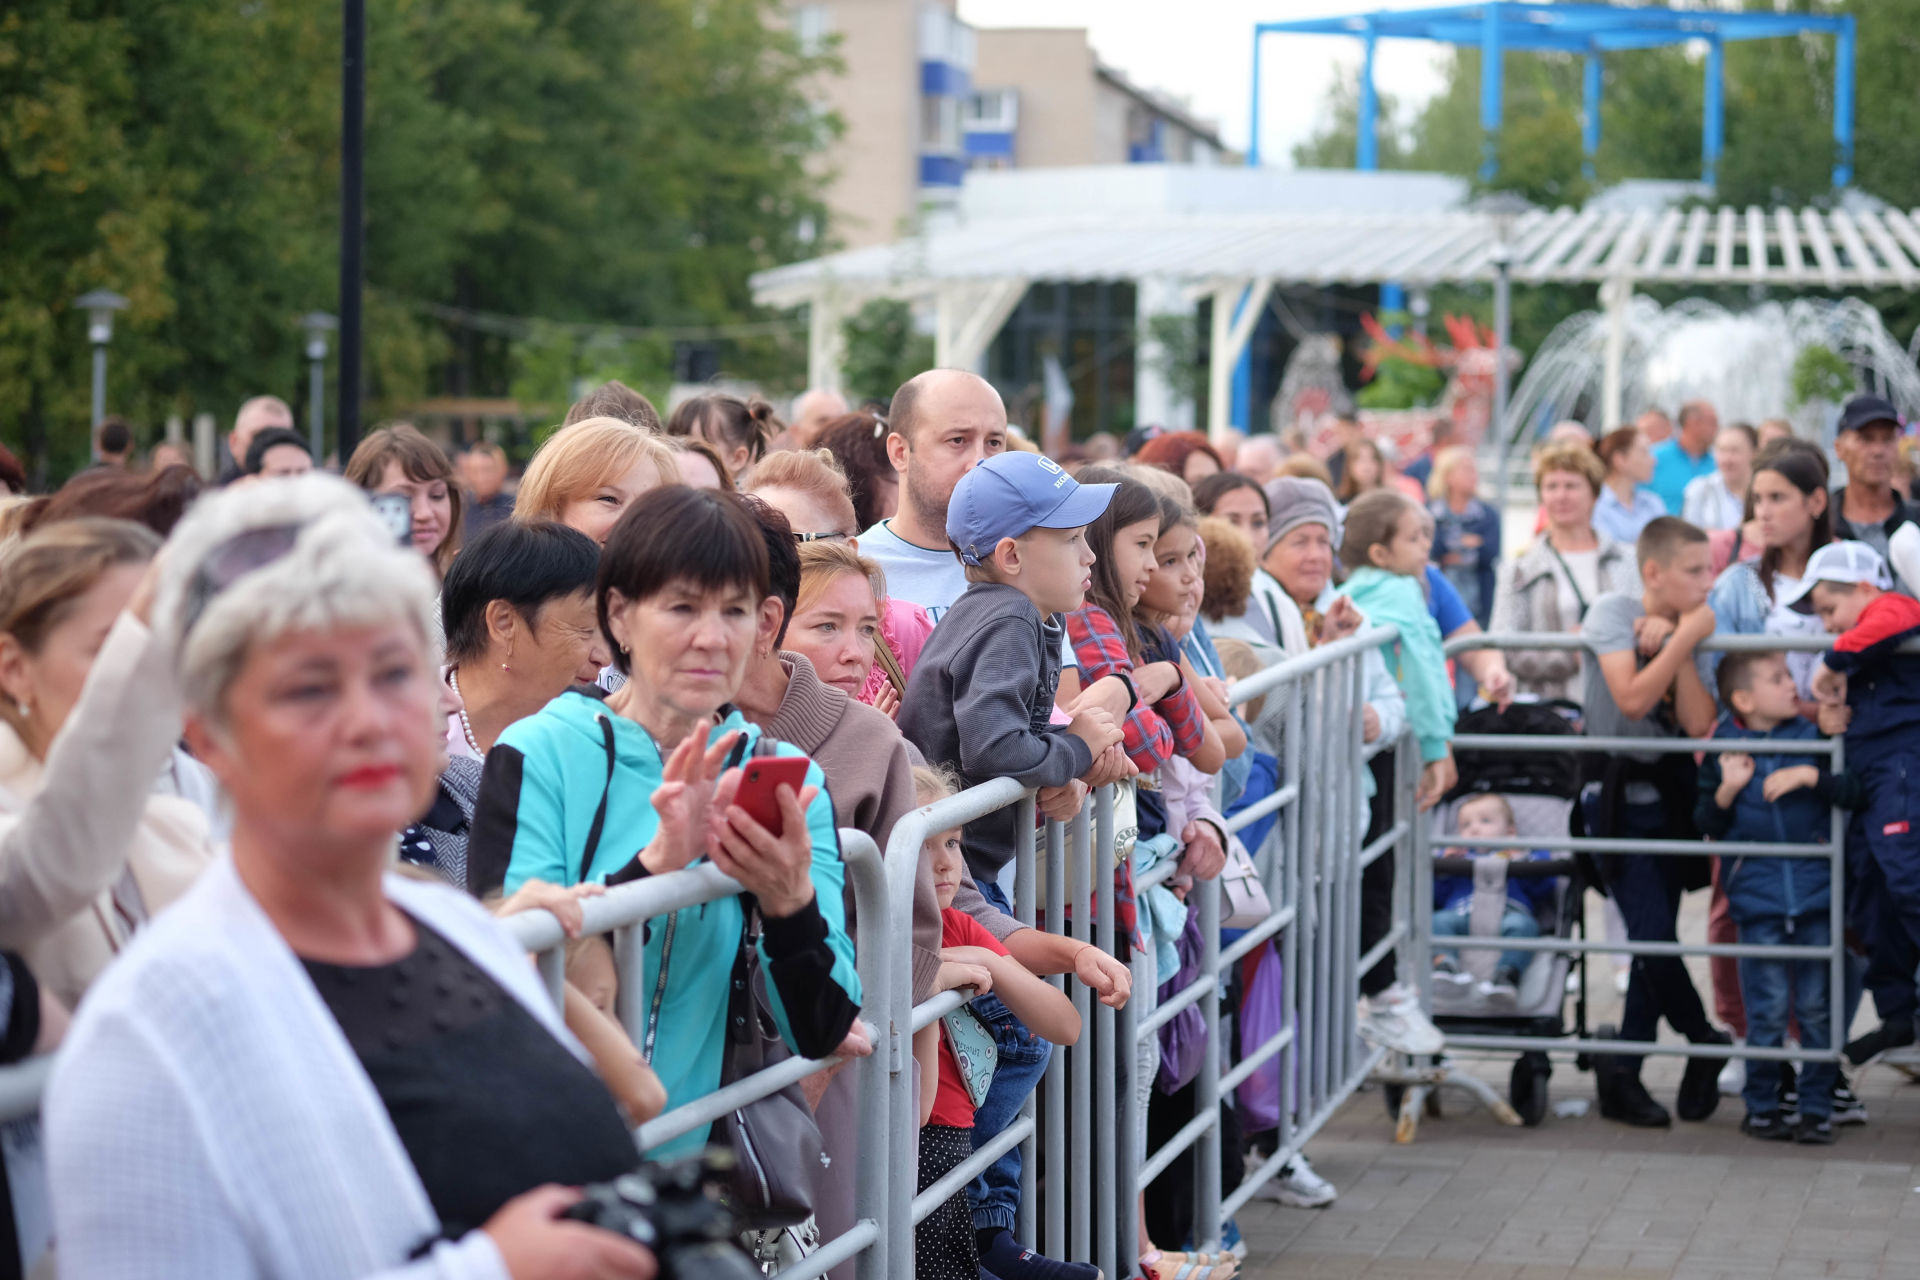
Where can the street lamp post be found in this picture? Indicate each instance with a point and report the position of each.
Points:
(1505, 210)
(318, 325)
(100, 306)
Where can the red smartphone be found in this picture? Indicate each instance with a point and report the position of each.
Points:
(760, 780)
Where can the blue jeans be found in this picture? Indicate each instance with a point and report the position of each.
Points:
(1773, 988)
(1022, 1062)
(1516, 922)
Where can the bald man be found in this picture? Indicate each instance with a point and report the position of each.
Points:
(812, 411)
(943, 423)
(255, 416)
(1258, 459)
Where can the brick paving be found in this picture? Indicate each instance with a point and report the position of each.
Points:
(1588, 1199)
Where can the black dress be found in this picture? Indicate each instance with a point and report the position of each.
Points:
(486, 1101)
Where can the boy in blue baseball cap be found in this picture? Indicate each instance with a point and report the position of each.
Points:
(979, 702)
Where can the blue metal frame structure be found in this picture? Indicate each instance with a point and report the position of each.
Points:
(1588, 30)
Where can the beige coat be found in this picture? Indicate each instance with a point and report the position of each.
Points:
(87, 851)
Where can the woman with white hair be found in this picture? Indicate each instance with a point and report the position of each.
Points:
(309, 1067)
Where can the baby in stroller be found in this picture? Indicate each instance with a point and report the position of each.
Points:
(1487, 816)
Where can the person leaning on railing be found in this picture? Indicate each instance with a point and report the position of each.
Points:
(641, 784)
(322, 1065)
(1547, 588)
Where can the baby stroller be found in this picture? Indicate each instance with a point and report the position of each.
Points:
(1543, 789)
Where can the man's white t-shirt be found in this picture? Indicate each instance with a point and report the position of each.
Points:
(931, 579)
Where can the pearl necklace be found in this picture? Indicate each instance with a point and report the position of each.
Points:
(466, 725)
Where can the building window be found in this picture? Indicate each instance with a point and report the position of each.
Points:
(940, 126)
(812, 24)
(992, 111)
(944, 38)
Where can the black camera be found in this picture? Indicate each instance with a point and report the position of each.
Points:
(675, 1208)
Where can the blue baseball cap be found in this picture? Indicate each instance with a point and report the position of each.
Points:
(1013, 492)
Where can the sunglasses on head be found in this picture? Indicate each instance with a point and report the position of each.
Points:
(240, 555)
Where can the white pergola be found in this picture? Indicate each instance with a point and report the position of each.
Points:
(975, 272)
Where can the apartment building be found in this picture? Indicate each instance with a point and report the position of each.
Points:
(925, 97)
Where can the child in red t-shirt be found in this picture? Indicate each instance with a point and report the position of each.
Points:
(944, 1243)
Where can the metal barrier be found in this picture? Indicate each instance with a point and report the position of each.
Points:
(1834, 851)
(1083, 1125)
(623, 911)
(1311, 865)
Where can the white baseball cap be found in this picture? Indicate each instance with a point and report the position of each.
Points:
(1840, 562)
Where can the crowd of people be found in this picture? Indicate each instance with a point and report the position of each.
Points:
(382, 710)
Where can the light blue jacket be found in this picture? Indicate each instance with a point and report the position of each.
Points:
(1416, 661)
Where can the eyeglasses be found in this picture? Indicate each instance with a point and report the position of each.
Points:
(234, 559)
(804, 538)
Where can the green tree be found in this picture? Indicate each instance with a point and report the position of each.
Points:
(626, 162)
(883, 349)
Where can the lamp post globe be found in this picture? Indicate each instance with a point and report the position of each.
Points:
(100, 304)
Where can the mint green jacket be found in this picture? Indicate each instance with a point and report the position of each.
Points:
(1416, 660)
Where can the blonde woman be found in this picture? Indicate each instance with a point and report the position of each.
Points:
(240, 1095)
(1564, 569)
(1466, 531)
(587, 474)
(810, 490)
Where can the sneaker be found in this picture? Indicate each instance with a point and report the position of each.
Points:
(1394, 1020)
(1733, 1076)
(1002, 1257)
(1232, 1241)
(1298, 1187)
(1814, 1131)
(1447, 972)
(1498, 994)
(1888, 1035)
(1847, 1107)
(1768, 1126)
(1699, 1084)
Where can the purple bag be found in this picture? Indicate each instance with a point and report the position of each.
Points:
(1183, 1040)
(1263, 1015)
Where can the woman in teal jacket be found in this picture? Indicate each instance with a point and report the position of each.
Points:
(1388, 538)
(639, 784)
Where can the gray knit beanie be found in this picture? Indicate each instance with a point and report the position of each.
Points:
(1296, 500)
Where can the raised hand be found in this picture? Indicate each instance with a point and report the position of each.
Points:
(685, 801)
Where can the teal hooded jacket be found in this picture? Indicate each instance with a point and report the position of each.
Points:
(1416, 660)
(543, 781)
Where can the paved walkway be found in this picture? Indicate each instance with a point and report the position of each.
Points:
(1588, 1199)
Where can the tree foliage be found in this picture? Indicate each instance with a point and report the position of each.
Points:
(883, 349)
(622, 161)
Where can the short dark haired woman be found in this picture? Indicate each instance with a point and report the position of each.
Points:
(519, 616)
(684, 597)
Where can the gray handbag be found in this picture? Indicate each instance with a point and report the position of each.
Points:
(775, 1141)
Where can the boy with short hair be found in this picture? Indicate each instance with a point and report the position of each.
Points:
(979, 702)
(1776, 799)
(1651, 796)
(1848, 585)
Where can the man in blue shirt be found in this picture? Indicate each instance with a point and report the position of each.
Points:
(1685, 457)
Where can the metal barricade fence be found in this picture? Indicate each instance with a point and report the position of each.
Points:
(1311, 864)
(624, 911)
(1834, 851)
(1083, 1127)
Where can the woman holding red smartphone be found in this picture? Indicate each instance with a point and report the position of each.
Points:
(664, 772)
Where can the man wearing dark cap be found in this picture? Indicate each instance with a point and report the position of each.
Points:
(1867, 509)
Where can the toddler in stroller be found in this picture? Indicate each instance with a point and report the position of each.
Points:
(1457, 907)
